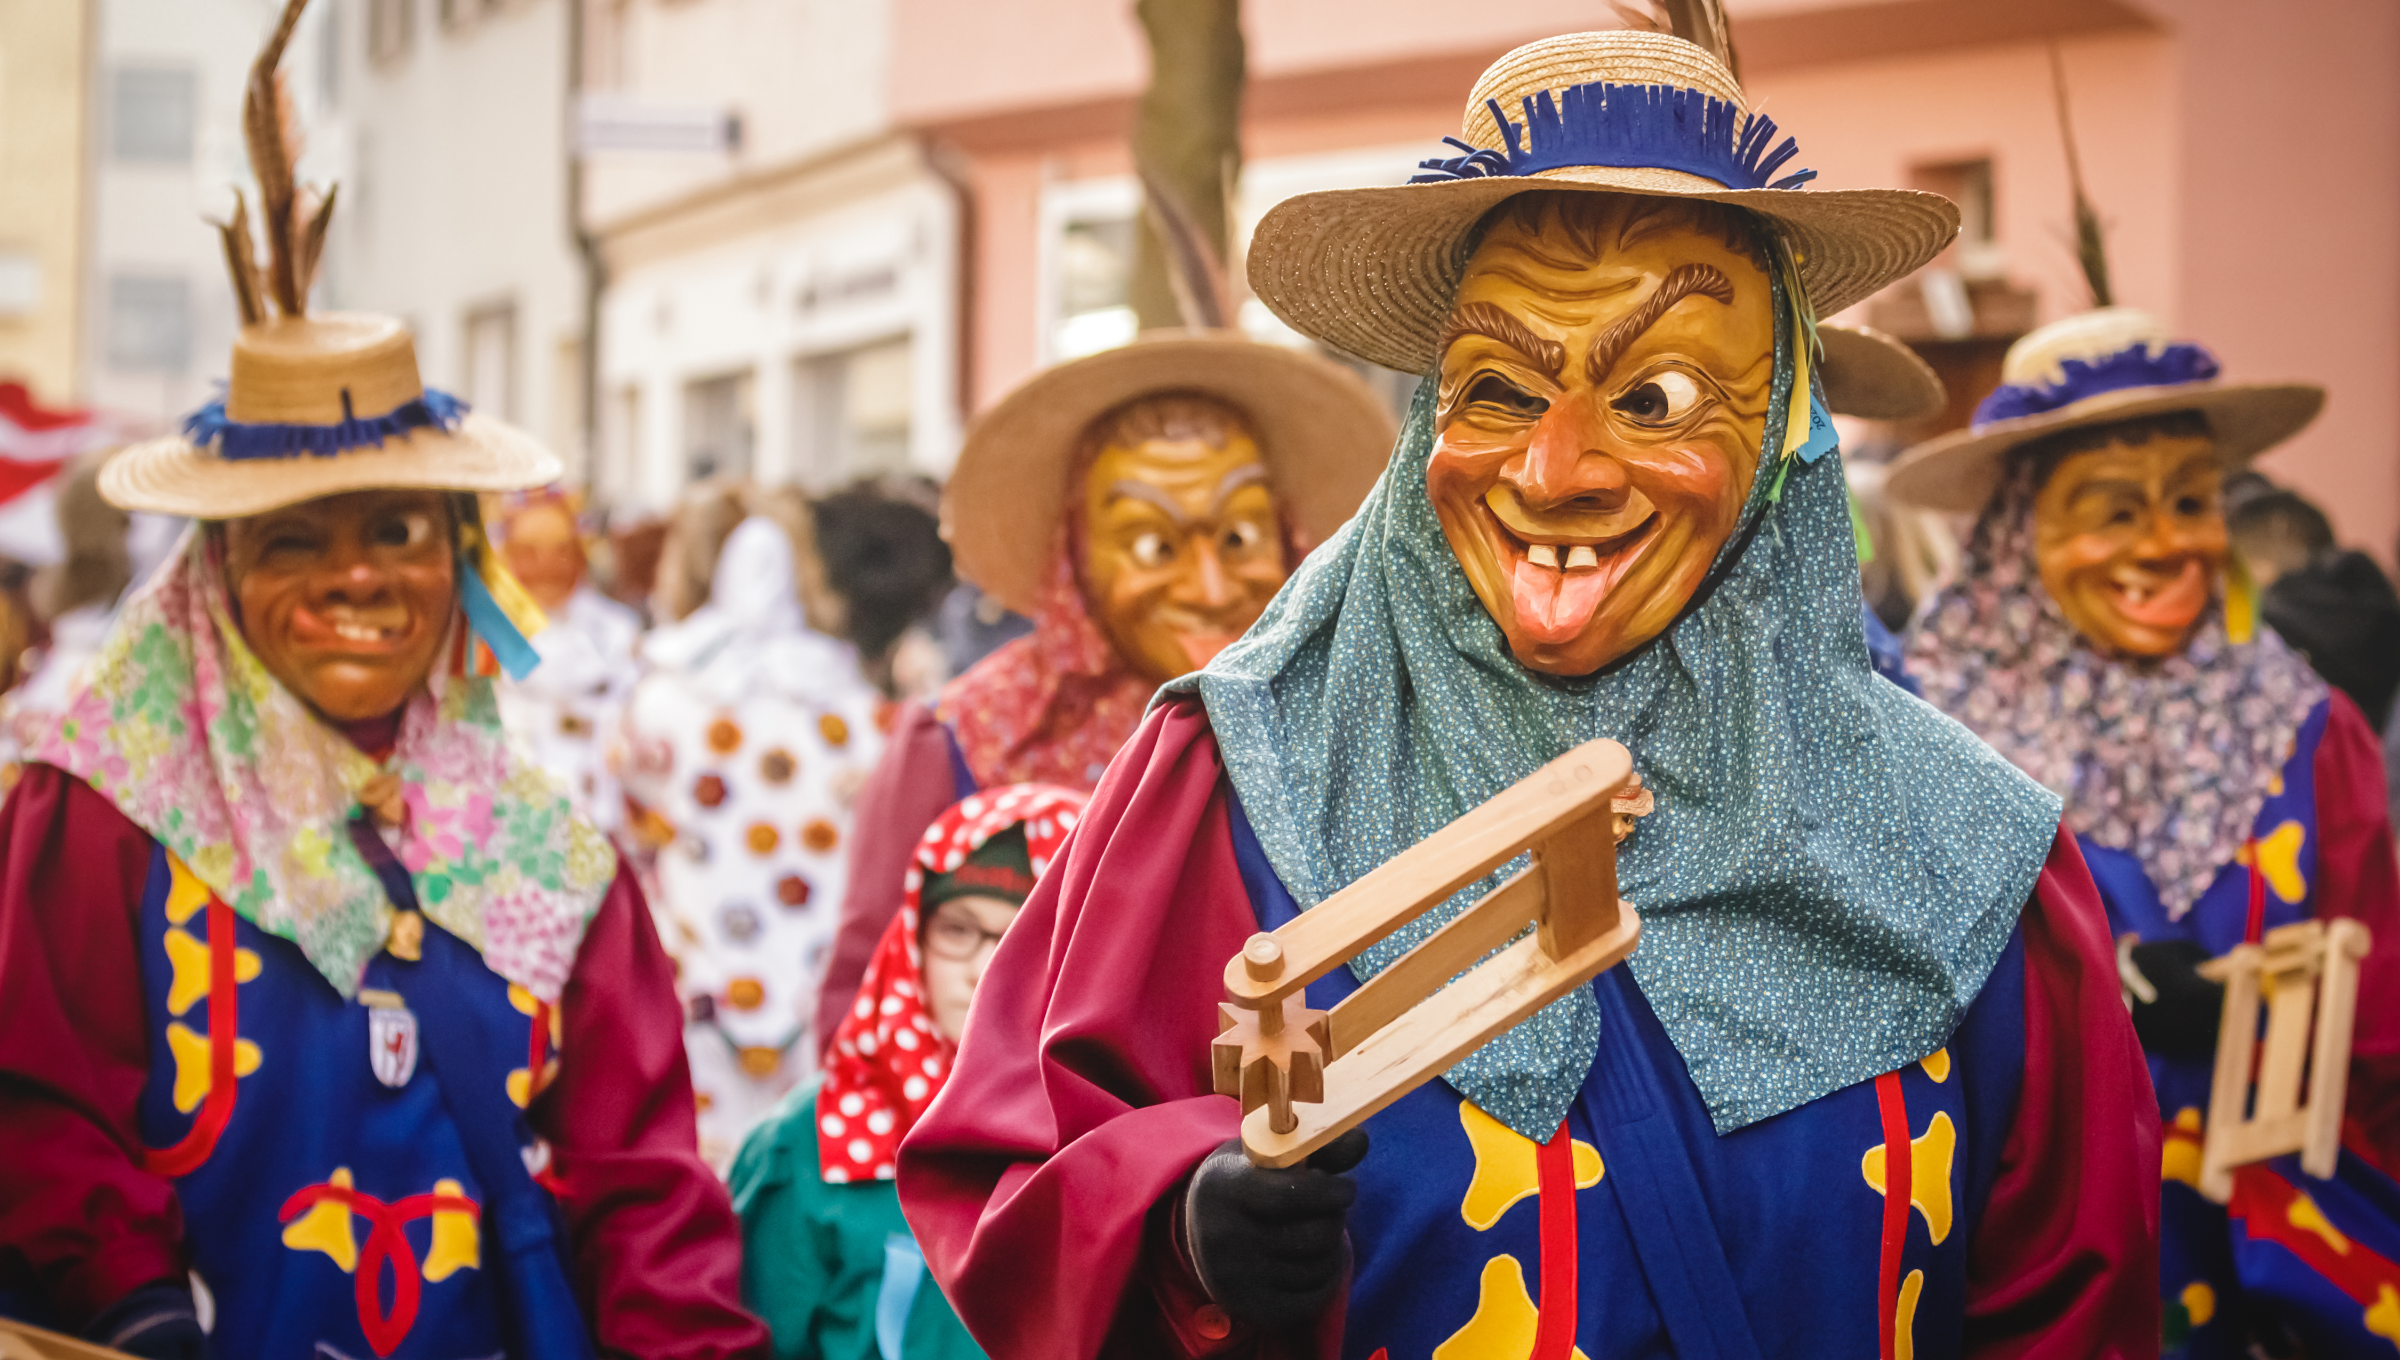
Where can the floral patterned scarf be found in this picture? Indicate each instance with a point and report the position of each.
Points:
(2169, 761)
(887, 1060)
(1049, 708)
(180, 726)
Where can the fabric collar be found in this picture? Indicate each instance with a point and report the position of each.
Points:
(1051, 707)
(1832, 869)
(2169, 761)
(181, 728)
(887, 1059)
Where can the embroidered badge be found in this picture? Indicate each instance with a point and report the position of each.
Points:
(391, 1037)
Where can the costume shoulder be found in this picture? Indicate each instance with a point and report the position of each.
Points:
(1081, 1094)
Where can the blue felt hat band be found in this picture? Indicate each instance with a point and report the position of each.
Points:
(209, 428)
(1647, 127)
(2135, 366)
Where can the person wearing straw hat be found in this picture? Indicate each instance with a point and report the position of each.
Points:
(1828, 1106)
(1140, 505)
(1874, 376)
(327, 1027)
(2101, 637)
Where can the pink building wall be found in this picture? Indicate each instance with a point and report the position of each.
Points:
(2242, 162)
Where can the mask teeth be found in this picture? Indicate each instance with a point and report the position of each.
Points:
(1542, 555)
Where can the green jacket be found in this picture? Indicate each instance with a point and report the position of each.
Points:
(832, 1268)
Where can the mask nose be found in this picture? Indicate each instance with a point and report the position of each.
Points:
(1566, 462)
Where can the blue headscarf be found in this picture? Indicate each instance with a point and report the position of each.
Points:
(1833, 867)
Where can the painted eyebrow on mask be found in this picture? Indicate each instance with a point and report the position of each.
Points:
(1128, 489)
(1681, 282)
(1490, 322)
(1234, 481)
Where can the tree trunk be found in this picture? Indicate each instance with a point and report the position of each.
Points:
(1187, 132)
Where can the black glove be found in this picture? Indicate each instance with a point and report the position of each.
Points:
(155, 1322)
(2182, 1022)
(1269, 1244)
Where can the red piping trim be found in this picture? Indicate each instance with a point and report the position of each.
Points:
(1893, 1106)
(1554, 1332)
(224, 1010)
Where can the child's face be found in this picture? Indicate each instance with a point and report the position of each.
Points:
(960, 935)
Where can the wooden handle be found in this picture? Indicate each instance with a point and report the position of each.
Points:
(20, 1341)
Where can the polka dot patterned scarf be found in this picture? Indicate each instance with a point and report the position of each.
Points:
(887, 1059)
(1050, 708)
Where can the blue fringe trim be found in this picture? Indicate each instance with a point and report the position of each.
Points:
(234, 440)
(2135, 367)
(1662, 127)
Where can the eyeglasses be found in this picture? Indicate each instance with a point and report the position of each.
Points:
(953, 935)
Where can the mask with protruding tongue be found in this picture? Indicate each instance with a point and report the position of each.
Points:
(1561, 566)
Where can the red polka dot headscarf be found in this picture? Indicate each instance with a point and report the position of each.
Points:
(887, 1059)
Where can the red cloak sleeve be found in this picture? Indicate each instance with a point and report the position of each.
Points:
(912, 784)
(653, 1235)
(2358, 877)
(2065, 1258)
(80, 1221)
(656, 1250)
(1081, 1096)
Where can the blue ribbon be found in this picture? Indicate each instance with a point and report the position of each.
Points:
(491, 623)
(1663, 127)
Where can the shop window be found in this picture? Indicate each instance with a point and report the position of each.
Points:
(149, 323)
(150, 114)
(491, 354)
(718, 426)
(852, 413)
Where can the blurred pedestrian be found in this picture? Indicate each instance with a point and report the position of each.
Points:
(2333, 604)
(828, 1260)
(1140, 505)
(567, 708)
(742, 750)
(884, 556)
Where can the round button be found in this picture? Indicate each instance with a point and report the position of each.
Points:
(1211, 1323)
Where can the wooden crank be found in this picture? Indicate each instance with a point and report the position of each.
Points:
(1305, 1077)
(2256, 1109)
(22, 1341)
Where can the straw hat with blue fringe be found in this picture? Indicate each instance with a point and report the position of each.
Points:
(317, 405)
(1371, 271)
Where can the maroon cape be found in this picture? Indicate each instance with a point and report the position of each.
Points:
(1081, 1098)
(656, 1252)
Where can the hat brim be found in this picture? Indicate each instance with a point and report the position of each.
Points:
(1322, 431)
(1959, 471)
(170, 476)
(1371, 271)
(1875, 376)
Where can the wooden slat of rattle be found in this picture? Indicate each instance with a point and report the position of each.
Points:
(1433, 1036)
(19, 1341)
(1568, 789)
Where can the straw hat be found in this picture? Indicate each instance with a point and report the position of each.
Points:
(2096, 368)
(1371, 271)
(340, 382)
(1873, 375)
(1321, 430)
(315, 405)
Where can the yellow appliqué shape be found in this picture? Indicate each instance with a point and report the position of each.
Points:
(1904, 1316)
(2199, 1302)
(190, 1050)
(2279, 861)
(1937, 1065)
(2383, 1316)
(2179, 1153)
(188, 958)
(2306, 1216)
(456, 1244)
(1508, 1167)
(326, 1227)
(186, 894)
(1928, 1175)
(1505, 1319)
